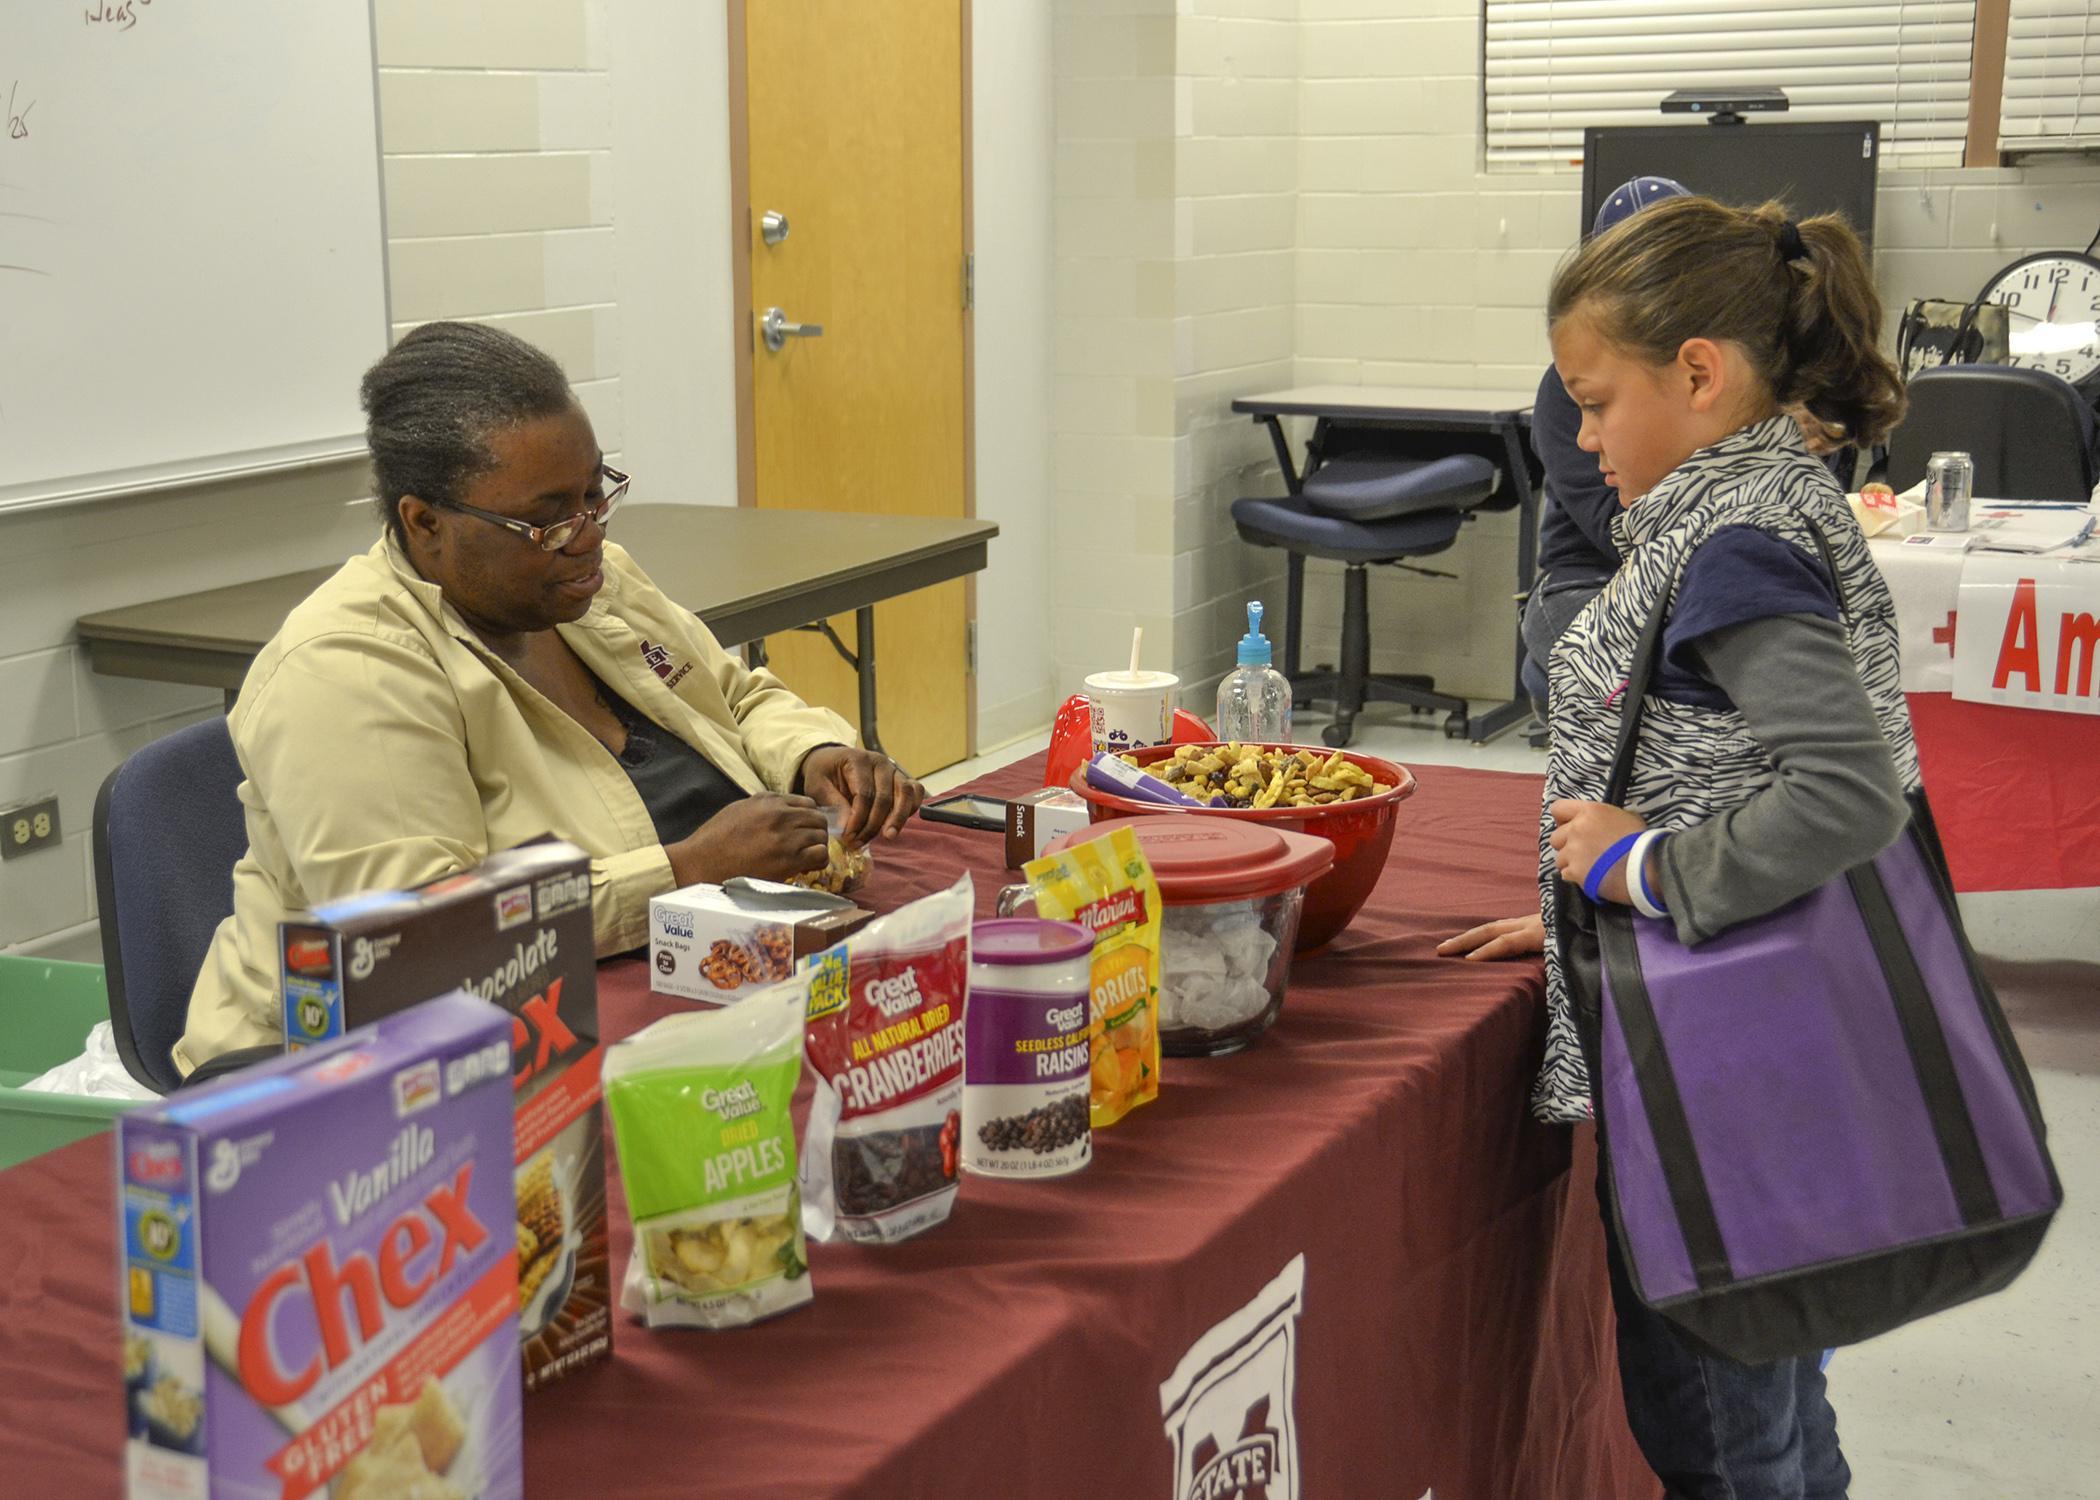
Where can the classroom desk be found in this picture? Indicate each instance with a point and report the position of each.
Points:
(1495, 422)
(1454, 1333)
(746, 572)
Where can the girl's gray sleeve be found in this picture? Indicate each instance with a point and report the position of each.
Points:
(1834, 801)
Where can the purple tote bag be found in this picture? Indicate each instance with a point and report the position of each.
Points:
(1818, 1126)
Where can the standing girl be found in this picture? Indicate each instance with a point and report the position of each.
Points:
(1774, 750)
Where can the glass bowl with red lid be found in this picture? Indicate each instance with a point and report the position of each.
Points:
(1234, 893)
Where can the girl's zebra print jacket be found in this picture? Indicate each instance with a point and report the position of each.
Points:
(1696, 758)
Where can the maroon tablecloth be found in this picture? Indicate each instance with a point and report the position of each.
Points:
(1455, 1328)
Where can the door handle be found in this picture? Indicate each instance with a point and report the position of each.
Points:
(777, 330)
(772, 226)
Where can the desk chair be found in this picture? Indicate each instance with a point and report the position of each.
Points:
(1365, 511)
(2030, 432)
(169, 827)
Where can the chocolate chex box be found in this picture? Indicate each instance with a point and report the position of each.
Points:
(515, 930)
(319, 1285)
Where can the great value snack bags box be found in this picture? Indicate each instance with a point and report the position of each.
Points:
(319, 1286)
(709, 943)
(516, 931)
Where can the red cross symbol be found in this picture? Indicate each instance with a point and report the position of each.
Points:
(1943, 635)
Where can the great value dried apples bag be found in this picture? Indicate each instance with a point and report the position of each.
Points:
(699, 1105)
(885, 1021)
(1106, 886)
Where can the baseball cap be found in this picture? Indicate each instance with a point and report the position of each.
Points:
(1629, 198)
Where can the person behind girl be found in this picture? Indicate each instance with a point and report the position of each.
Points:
(1775, 749)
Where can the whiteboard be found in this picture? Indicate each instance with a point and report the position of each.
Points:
(192, 240)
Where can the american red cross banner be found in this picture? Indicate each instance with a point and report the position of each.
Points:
(2030, 630)
(1998, 659)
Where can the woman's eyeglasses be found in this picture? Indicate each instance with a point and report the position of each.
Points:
(557, 535)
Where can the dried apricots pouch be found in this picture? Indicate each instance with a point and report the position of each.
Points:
(1106, 886)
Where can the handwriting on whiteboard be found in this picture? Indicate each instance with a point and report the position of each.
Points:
(17, 114)
(121, 14)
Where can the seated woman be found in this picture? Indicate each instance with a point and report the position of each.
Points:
(494, 669)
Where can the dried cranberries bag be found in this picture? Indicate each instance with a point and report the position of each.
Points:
(885, 1021)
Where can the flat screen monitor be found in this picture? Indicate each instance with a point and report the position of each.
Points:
(1812, 168)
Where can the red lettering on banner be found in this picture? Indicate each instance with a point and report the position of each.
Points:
(2013, 657)
(2080, 635)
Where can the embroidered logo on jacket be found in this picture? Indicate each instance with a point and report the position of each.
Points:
(659, 660)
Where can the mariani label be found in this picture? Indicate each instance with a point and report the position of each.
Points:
(1228, 1407)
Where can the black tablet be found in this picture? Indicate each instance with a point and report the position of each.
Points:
(968, 810)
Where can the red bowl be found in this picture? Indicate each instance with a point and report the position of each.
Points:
(1360, 830)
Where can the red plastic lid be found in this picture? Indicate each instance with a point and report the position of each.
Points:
(1198, 860)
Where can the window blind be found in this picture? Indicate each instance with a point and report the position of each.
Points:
(1554, 67)
(2052, 76)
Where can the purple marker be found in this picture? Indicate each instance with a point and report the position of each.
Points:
(1108, 772)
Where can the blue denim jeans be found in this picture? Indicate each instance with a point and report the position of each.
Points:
(1713, 1429)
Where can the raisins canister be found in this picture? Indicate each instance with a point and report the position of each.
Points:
(1024, 1109)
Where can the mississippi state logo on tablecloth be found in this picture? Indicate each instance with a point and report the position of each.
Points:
(1228, 1405)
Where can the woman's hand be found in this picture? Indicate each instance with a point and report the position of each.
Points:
(768, 836)
(1511, 937)
(1586, 830)
(871, 790)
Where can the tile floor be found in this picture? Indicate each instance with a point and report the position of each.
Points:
(1999, 1399)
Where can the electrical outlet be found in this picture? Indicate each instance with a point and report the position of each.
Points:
(29, 827)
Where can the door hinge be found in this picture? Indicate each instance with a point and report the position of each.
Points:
(970, 647)
(969, 280)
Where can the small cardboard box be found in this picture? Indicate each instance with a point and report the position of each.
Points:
(320, 1286)
(1036, 819)
(516, 931)
(706, 943)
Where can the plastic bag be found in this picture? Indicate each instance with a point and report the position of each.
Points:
(97, 1073)
(1106, 886)
(885, 1023)
(699, 1106)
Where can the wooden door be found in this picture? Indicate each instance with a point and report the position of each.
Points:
(855, 120)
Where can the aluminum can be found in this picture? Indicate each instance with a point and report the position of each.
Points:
(1950, 478)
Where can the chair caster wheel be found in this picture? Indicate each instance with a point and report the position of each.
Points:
(1455, 728)
(1335, 736)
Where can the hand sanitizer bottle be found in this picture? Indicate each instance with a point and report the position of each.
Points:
(1254, 703)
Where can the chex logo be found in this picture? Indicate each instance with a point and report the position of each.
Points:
(1228, 1405)
(156, 1162)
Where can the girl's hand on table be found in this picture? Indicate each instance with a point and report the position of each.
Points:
(1511, 937)
(1586, 830)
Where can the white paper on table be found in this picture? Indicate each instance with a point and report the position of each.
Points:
(2033, 531)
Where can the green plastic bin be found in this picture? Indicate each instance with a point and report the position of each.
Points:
(47, 1009)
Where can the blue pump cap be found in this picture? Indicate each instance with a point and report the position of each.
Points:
(1254, 646)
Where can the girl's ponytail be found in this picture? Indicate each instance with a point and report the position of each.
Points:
(1835, 370)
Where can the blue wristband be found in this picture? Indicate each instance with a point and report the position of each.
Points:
(1593, 883)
